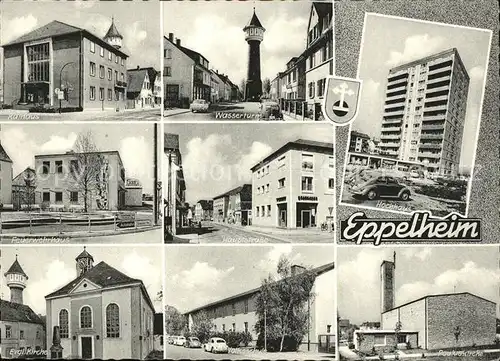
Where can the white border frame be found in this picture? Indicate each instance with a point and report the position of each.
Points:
(480, 112)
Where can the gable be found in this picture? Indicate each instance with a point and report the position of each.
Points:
(176, 52)
(84, 285)
(313, 19)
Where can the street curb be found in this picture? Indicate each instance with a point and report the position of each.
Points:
(173, 115)
(10, 236)
(282, 240)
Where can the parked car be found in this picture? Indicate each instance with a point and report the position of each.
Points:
(199, 105)
(192, 342)
(216, 345)
(382, 187)
(270, 110)
(180, 341)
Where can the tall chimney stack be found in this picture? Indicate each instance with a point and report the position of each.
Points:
(387, 285)
(178, 42)
(171, 37)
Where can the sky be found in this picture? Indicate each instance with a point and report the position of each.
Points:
(420, 271)
(215, 30)
(56, 267)
(134, 142)
(137, 21)
(389, 42)
(200, 275)
(218, 157)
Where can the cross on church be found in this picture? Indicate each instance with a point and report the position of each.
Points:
(343, 90)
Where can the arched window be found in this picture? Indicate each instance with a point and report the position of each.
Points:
(112, 321)
(86, 317)
(63, 324)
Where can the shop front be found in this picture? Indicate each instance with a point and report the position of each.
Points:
(282, 206)
(306, 211)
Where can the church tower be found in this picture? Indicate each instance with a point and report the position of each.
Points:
(84, 262)
(254, 34)
(113, 37)
(16, 281)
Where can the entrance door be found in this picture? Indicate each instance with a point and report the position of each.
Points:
(306, 219)
(283, 218)
(86, 347)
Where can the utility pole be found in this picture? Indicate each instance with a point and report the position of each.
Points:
(265, 325)
(155, 176)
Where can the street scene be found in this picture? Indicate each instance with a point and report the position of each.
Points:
(211, 313)
(248, 183)
(412, 146)
(50, 308)
(244, 68)
(79, 183)
(419, 303)
(80, 61)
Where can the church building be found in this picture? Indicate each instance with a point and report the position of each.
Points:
(101, 314)
(22, 331)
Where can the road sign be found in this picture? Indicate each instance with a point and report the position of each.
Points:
(60, 95)
(330, 209)
(341, 99)
(56, 91)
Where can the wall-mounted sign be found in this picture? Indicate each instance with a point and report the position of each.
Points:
(281, 199)
(132, 183)
(308, 198)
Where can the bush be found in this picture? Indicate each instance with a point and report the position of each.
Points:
(43, 109)
(234, 339)
(442, 191)
(273, 344)
(351, 346)
(5, 106)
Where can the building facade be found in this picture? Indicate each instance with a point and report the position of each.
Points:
(239, 209)
(238, 313)
(24, 190)
(133, 193)
(5, 177)
(293, 187)
(61, 180)
(89, 71)
(101, 314)
(21, 329)
(203, 210)
(254, 34)
(424, 112)
(359, 142)
(176, 211)
(319, 56)
(221, 205)
(139, 89)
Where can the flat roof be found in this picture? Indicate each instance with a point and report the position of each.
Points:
(75, 153)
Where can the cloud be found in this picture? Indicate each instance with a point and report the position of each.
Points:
(97, 24)
(15, 27)
(415, 47)
(420, 253)
(477, 73)
(135, 36)
(256, 153)
(469, 278)
(84, 4)
(201, 276)
(371, 103)
(57, 144)
(133, 151)
(269, 264)
(141, 267)
(55, 275)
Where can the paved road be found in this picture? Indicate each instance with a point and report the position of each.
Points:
(179, 352)
(234, 112)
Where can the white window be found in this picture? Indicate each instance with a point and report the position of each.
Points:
(63, 323)
(101, 52)
(92, 47)
(112, 321)
(307, 184)
(281, 183)
(307, 162)
(86, 317)
(281, 161)
(92, 68)
(110, 56)
(92, 93)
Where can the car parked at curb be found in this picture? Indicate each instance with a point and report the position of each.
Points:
(199, 105)
(381, 187)
(180, 341)
(192, 342)
(216, 345)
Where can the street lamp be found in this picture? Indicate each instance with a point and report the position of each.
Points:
(60, 82)
(265, 325)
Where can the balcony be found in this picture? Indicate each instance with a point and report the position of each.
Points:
(403, 75)
(390, 136)
(392, 120)
(430, 91)
(397, 89)
(391, 94)
(389, 144)
(390, 129)
(120, 84)
(434, 83)
(431, 136)
(391, 152)
(439, 70)
(440, 98)
(431, 146)
(397, 83)
(440, 66)
(397, 100)
(429, 155)
(437, 94)
(391, 113)
(439, 74)
(430, 118)
(433, 127)
(431, 106)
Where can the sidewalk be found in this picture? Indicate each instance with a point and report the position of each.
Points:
(174, 111)
(297, 355)
(15, 114)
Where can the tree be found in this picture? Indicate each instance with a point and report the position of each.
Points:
(243, 86)
(266, 86)
(28, 196)
(89, 171)
(175, 322)
(202, 326)
(283, 307)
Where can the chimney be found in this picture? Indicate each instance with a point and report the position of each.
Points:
(138, 67)
(178, 42)
(387, 286)
(296, 269)
(171, 37)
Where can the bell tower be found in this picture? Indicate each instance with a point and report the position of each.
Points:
(84, 262)
(16, 281)
(113, 36)
(254, 34)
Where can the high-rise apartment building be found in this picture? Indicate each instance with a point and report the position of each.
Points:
(424, 112)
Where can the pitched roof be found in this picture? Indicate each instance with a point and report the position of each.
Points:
(3, 155)
(359, 134)
(323, 7)
(27, 174)
(102, 275)
(58, 28)
(254, 21)
(240, 189)
(84, 254)
(17, 312)
(135, 80)
(318, 271)
(16, 268)
(206, 204)
(113, 31)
